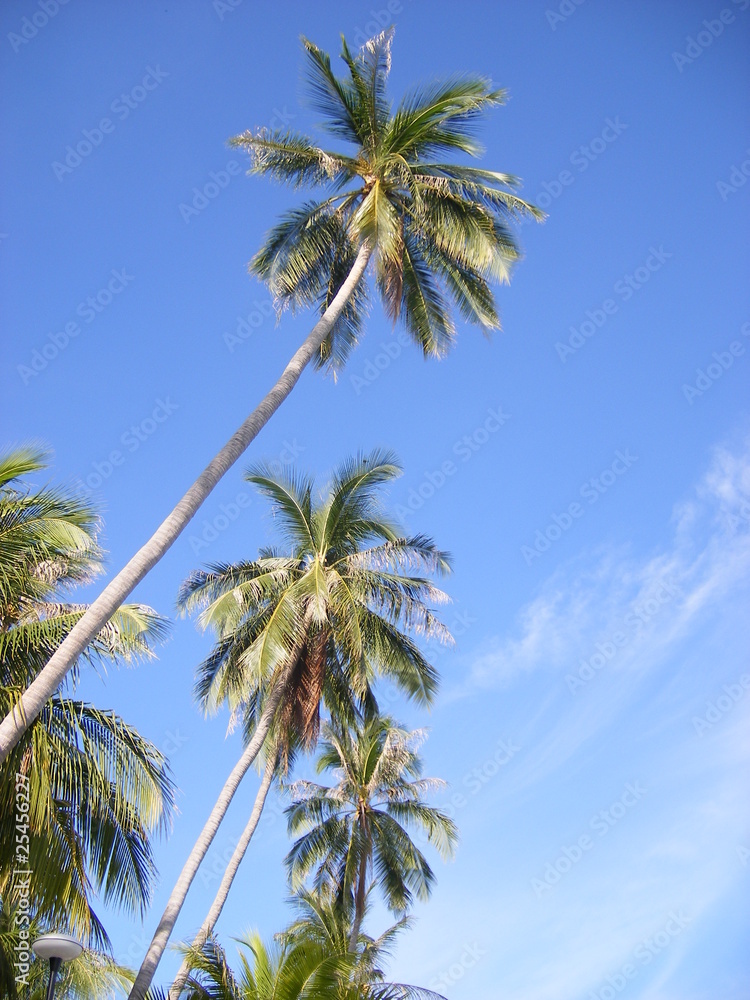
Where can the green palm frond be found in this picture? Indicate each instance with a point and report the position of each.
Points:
(291, 158)
(335, 613)
(42, 625)
(98, 792)
(438, 232)
(291, 502)
(359, 828)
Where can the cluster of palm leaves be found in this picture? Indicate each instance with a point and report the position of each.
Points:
(304, 632)
(95, 791)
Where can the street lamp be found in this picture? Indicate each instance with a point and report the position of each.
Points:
(58, 948)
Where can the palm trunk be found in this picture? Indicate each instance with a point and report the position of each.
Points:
(115, 593)
(226, 882)
(359, 903)
(200, 848)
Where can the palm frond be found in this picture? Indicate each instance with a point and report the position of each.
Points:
(290, 157)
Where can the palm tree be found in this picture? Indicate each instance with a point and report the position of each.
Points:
(325, 920)
(318, 624)
(299, 966)
(436, 231)
(356, 833)
(83, 792)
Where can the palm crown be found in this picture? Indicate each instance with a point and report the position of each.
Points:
(97, 790)
(438, 230)
(330, 613)
(298, 967)
(357, 833)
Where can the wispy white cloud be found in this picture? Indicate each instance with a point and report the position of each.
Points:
(651, 640)
(657, 599)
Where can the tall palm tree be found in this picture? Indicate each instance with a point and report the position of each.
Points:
(316, 624)
(82, 791)
(356, 833)
(436, 231)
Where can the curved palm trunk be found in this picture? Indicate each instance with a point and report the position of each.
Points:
(114, 594)
(174, 905)
(226, 882)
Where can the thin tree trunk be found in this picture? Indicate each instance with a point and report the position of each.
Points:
(359, 903)
(174, 905)
(226, 882)
(115, 593)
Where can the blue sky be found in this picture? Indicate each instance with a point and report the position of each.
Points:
(589, 467)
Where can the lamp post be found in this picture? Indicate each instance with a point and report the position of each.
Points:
(58, 948)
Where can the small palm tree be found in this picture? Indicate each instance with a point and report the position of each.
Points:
(356, 834)
(325, 919)
(297, 967)
(436, 231)
(315, 624)
(93, 791)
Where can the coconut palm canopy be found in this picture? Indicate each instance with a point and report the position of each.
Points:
(439, 230)
(93, 790)
(333, 610)
(298, 966)
(357, 834)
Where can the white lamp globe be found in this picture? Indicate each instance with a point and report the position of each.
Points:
(61, 946)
